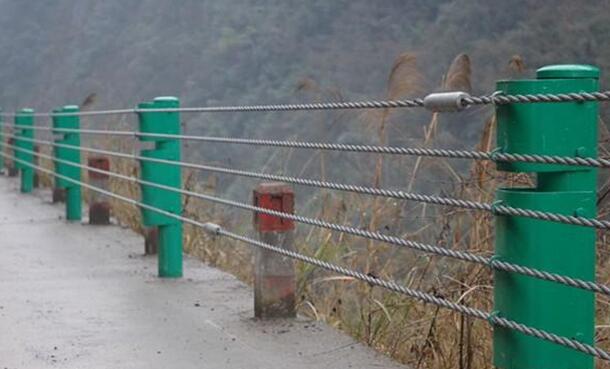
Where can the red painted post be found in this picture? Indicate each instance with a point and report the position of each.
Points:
(99, 207)
(36, 163)
(12, 169)
(59, 194)
(274, 275)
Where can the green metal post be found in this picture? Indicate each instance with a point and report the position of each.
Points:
(24, 120)
(73, 190)
(565, 129)
(1, 141)
(170, 229)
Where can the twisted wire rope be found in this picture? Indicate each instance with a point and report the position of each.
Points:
(497, 208)
(362, 148)
(492, 262)
(500, 99)
(496, 98)
(491, 318)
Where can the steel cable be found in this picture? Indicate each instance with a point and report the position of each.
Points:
(492, 262)
(493, 319)
(497, 209)
(392, 150)
(538, 98)
(85, 113)
(496, 98)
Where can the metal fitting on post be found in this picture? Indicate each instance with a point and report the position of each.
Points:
(442, 102)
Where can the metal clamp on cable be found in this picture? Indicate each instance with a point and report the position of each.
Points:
(494, 207)
(211, 228)
(491, 263)
(494, 155)
(493, 316)
(446, 101)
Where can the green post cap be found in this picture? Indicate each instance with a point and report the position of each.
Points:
(70, 108)
(166, 98)
(145, 105)
(562, 71)
(166, 102)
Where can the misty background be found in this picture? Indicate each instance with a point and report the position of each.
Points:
(57, 52)
(109, 54)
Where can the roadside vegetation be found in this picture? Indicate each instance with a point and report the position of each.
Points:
(416, 334)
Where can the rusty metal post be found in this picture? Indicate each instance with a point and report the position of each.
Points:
(99, 206)
(36, 163)
(59, 195)
(274, 275)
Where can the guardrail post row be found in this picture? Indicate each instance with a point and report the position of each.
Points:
(274, 275)
(565, 129)
(24, 120)
(73, 193)
(169, 229)
(99, 206)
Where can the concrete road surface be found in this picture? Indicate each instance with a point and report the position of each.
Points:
(79, 296)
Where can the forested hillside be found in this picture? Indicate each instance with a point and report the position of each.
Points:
(212, 52)
(253, 51)
(244, 51)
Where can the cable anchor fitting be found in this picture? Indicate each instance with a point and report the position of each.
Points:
(211, 228)
(440, 102)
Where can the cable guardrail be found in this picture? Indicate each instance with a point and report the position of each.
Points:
(495, 208)
(491, 262)
(359, 148)
(524, 147)
(436, 102)
(216, 230)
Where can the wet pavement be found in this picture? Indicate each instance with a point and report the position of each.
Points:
(80, 296)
